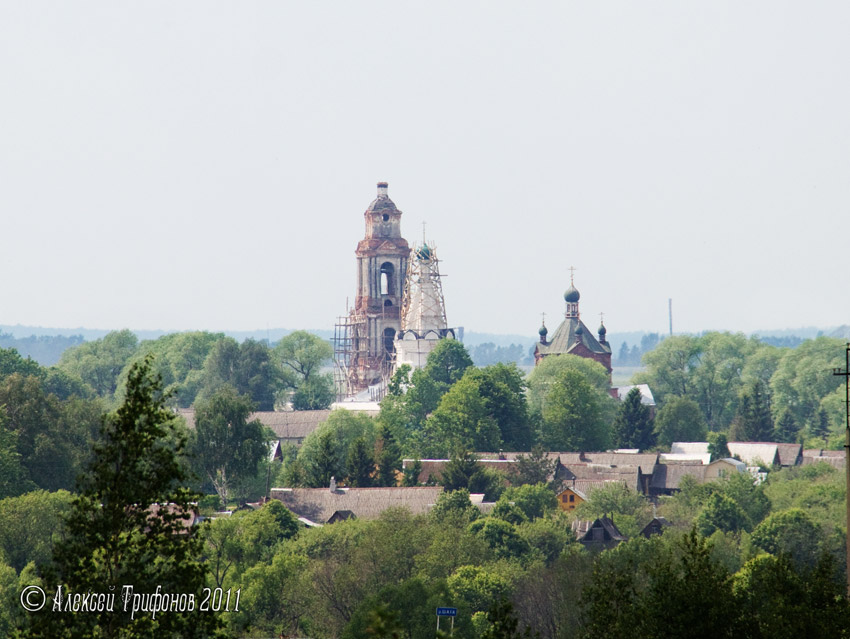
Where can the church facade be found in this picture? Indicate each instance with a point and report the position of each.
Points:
(572, 337)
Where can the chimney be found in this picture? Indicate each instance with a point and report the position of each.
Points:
(382, 189)
(333, 485)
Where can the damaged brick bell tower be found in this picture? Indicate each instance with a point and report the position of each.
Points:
(364, 339)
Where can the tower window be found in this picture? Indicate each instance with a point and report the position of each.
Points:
(388, 303)
(387, 284)
(385, 217)
(389, 346)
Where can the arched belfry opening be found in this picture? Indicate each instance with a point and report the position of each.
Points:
(387, 279)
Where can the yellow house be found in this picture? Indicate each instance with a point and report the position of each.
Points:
(578, 491)
(569, 498)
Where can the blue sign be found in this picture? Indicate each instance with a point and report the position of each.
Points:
(447, 612)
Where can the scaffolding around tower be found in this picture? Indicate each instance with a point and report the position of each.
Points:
(357, 358)
(423, 310)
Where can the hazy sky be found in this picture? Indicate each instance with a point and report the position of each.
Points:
(206, 165)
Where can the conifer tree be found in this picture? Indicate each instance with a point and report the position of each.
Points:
(753, 421)
(819, 426)
(129, 526)
(360, 465)
(633, 426)
(786, 427)
(389, 458)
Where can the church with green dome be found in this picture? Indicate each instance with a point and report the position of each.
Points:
(573, 337)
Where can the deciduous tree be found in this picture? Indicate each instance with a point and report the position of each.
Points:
(226, 446)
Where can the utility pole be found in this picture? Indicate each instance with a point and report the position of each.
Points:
(670, 313)
(846, 375)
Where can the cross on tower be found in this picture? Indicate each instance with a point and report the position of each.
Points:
(572, 273)
(602, 318)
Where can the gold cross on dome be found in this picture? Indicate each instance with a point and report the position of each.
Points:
(572, 273)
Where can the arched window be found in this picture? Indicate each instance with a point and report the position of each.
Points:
(389, 342)
(387, 279)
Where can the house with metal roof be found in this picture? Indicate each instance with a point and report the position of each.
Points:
(328, 505)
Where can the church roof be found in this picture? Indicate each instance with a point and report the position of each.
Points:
(564, 339)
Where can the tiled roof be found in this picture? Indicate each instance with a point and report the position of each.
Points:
(584, 530)
(689, 448)
(564, 339)
(432, 469)
(668, 476)
(645, 461)
(319, 504)
(751, 452)
(790, 454)
(293, 424)
(834, 458)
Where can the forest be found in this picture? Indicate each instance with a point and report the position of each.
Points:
(738, 558)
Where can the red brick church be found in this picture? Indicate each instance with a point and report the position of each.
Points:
(573, 337)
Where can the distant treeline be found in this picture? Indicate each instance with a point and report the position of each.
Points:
(489, 353)
(45, 349)
(627, 356)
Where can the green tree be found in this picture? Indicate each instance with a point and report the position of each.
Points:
(791, 532)
(447, 362)
(226, 446)
(302, 355)
(503, 623)
(633, 425)
(128, 525)
(454, 505)
(324, 463)
(325, 450)
(708, 369)
(804, 377)
(179, 359)
(246, 367)
(721, 513)
(99, 363)
(753, 421)
(360, 465)
(54, 437)
(464, 471)
(534, 500)
(534, 468)
(542, 378)
(652, 588)
(389, 458)
(501, 536)
(786, 427)
(411, 474)
(819, 425)
(29, 525)
(12, 362)
(718, 446)
(679, 420)
(777, 600)
(573, 417)
(484, 410)
(475, 587)
(13, 476)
